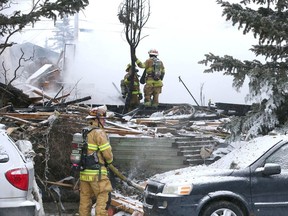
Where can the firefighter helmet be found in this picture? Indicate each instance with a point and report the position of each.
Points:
(153, 52)
(128, 67)
(97, 112)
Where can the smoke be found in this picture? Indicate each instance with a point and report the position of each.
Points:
(100, 56)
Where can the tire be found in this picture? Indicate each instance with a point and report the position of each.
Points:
(222, 208)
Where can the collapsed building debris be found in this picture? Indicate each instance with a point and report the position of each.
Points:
(10, 95)
(50, 126)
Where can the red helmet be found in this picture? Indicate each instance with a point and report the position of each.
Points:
(153, 52)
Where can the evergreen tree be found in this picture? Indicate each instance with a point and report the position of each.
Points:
(12, 23)
(63, 34)
(268, 79)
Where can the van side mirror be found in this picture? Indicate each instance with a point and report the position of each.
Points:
(269, 169)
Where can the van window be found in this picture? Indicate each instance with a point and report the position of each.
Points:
(280, 156)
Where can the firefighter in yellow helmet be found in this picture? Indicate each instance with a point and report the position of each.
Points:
(155, 72)
(136, 95)
(94, 180)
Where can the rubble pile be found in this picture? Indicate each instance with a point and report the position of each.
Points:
(50, 129)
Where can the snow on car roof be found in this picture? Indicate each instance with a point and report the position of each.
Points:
(245, 153)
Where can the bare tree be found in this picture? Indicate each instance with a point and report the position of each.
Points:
(134, 14)
(19, 65)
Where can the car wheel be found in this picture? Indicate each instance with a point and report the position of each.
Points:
(222, 208)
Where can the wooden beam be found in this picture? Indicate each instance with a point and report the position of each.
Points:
(60, 184)
(22, 120)
(126, 204)
(35, 116)
(44, 95)
(121, 131)
(4, 108)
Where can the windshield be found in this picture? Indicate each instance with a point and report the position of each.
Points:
(246, 153)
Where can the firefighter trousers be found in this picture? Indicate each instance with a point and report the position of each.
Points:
(152, 93)
(99, 189)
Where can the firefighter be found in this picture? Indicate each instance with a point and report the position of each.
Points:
(94, 180)
(136, 95)
(155, 72)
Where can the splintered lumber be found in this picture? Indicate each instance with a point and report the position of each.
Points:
(21, 120)
(63, 96)
(120, 131)
(126, 204)
(124, 127)
(4, 108)
(81, 109)
(11, 129)
(214, 123)
(60, 184)
(163, 121)
(74, 101)
(212, 132)
(33, 116)
(36, 91)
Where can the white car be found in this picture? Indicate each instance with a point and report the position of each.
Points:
(16, 180)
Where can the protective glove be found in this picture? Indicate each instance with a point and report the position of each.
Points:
(140, 96)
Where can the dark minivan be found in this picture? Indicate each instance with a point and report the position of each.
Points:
(250, 180)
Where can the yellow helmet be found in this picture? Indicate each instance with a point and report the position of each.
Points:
(128, 67)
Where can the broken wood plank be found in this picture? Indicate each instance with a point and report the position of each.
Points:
(213, 123)
(121, 131)
(126, 204)
(45, 118)
(36, 91)
(63, 96)
(164, 121)
(124, 127)
(5, 108)
(21, 120)
(11, 129)
(74, 101)
(50, 101)
(81, 109)
(60, 184)
(33, 116)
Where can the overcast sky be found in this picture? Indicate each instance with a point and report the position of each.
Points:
(182, 31)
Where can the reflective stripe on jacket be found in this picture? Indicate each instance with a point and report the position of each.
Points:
(148, 65)
(98, 140)
(136, 84)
